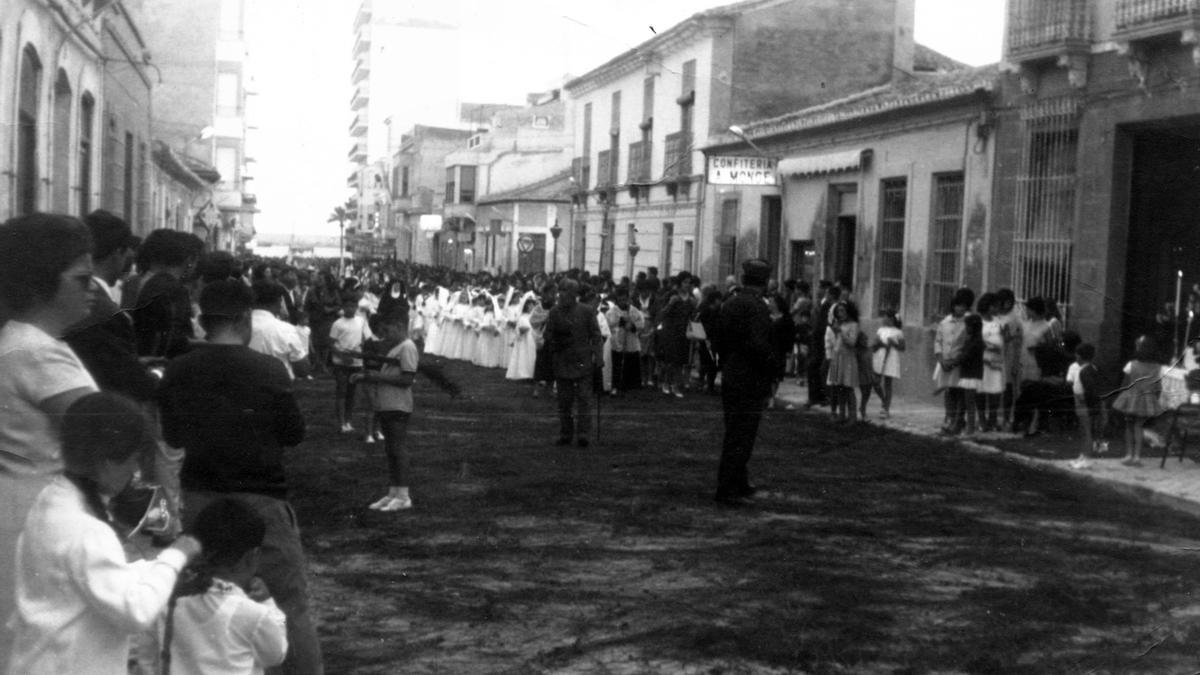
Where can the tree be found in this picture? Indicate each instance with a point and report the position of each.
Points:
(348, 211)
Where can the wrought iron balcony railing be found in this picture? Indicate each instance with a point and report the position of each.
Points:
(1040, 28)
(1135, 14)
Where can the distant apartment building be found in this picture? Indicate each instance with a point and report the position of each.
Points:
(518, 147)
(201, 112)
(405, 72)
(1099, 161)
(641, 118)
(74, 109)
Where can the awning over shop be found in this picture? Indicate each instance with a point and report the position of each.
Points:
(833, 162)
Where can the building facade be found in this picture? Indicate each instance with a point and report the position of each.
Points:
(641, 118)
(418, 171)
(519, 151)
(201, 110)
(1096, 175)
(886, 192)
(74, 108)
(520, 229)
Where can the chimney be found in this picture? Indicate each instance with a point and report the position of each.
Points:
(903, 45)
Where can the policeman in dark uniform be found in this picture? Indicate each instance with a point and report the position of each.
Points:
(743, 342)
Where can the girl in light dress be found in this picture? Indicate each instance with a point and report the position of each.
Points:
(841, 336)
(471, 322)
(991, 387)
(971, 368)
(886, 349)
(1139, 397)
(452, 328)
(524, 351)
(431, 310)
(489, 350)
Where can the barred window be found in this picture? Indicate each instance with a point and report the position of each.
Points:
(894, 192)
(945, 254)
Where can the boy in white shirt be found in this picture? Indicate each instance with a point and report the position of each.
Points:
(348, 334)
(222, 620)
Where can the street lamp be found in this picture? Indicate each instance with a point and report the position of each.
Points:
(555, 232)
(741, 133)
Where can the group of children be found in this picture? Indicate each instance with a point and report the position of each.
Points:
(991, 365)
(79, 602)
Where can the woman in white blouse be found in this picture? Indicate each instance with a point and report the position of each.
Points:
(45, 276)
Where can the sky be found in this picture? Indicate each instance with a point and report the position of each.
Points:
(300, 52)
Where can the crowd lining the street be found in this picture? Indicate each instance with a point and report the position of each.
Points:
(135, 363)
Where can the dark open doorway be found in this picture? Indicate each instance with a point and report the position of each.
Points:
(1164, 233)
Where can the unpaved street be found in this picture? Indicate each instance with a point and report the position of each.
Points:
(871, 552)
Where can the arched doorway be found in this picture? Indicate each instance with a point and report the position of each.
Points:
(60, 145)
(27, 130)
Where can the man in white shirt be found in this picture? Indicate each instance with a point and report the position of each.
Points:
(272, 336)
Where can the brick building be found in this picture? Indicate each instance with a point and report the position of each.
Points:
(640, 118)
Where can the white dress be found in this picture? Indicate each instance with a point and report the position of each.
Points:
(432, 310)
(606, 334)
(470, 333)
(886, 361)
(489, 341)
(524, 351)
(993, 357)
(452, 332)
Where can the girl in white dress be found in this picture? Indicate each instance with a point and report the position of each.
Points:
(886, 350)
(991, 387)
(472, 316)
(524, 349)
(451, 325)
(431, 309)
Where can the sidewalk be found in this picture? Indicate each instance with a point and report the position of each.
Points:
(1176, 485)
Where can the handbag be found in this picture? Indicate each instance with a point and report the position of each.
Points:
(695, 331)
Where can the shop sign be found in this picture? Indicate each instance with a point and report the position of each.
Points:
(743, 171)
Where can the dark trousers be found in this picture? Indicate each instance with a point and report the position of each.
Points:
(743, 413)
(816, 378)
(708, 367)
(394, 424)
(574, 403)
(626, 371)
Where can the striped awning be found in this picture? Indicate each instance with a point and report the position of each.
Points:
(833, 162)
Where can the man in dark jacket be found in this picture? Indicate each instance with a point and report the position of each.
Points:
(744, 346)
(573, 341)
(233, 411)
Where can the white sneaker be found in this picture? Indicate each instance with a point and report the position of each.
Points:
(381, 502)
(346, 428)
(1080, 463)
(369, 438)
(397, 504)
(379, 435)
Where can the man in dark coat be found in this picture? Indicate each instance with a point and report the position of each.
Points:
(105, 341)
(573, 341)
(744, 346)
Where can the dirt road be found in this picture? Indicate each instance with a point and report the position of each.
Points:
(871, 551)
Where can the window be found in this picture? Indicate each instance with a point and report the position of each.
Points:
(451, 186)
(143, 177)
(689, 252)
(87, 122)
(27, 131)
(227, 166)
(689, 78)
(631, 239)
(945, 254)
(466, 178)
(614, 142)
(1046, 209)
(404, 181)
(727, 241)
(541, 122)
(647, 100)
(668, 239)
(893, 212)
(587, 131)
(228, 100)
(60, 147)
(127, 180)
(115, 169)
(579, 245)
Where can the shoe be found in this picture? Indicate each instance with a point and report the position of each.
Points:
(678, 394)
(379, 436)
(369, 438)
(347, 429)
(883, 414)
(397, 504)
(1081, 463)
(563, 440)
(666, 390)
(1129, 461)
(380, 503)
(581, 442)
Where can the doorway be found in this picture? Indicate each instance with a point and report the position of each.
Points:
(843, 230)
(771, 230)
(1164, 236)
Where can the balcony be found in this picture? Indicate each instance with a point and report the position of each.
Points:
(678, 155)
(604, 169)
(359, 126)
(361, 97)
(363, 16)
(352, 179)
(1041, 29)
(1143, 19)
(358, 152)
(361, 72)
(362, 42)
(581, 171)
(639, 162)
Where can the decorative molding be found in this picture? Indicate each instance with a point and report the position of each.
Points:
(1077, 69)
(1139, 63)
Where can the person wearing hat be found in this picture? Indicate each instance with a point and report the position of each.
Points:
(573, 341)
(745, 352)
